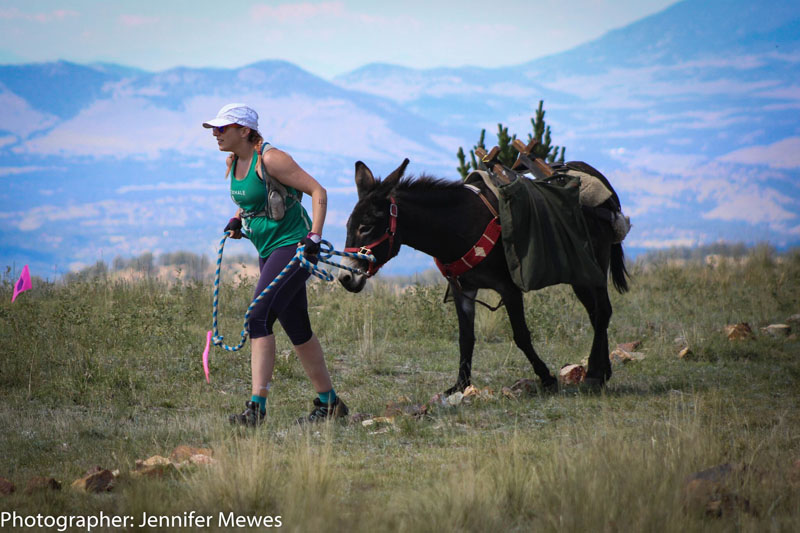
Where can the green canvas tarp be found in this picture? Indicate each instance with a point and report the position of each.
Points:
(545, 237)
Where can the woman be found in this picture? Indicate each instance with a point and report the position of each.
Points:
(236, 130)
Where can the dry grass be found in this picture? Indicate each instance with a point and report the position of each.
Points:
(116, 377)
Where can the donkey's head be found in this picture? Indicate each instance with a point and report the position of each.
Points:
(372, 226)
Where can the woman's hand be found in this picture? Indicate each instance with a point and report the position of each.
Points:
(234, 228)
(311, 243)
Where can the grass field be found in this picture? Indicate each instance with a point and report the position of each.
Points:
(104, 372)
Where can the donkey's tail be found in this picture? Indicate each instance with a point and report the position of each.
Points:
(619, 274)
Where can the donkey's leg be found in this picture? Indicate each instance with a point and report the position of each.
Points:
(512, 297)
(597, 304)
(465, 310)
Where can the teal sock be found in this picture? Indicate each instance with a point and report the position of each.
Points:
(327, 397)
(261, 401)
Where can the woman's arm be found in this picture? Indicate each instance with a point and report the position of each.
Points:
(283, 168)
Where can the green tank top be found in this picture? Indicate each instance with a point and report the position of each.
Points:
(266, 234)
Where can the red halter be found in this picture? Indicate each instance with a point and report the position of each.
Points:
(389, 235)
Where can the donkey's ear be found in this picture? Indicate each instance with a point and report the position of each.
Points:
(365, 181)
(392, 179)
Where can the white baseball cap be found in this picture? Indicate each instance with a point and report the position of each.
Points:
(234, 114)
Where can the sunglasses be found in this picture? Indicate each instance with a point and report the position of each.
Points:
(221, 129)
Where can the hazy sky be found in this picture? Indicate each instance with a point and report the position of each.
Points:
(324, 37)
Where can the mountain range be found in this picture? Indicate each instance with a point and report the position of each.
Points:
(692, 113)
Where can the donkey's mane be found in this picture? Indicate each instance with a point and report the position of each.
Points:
(425, 183)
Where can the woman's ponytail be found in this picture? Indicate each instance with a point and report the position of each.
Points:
(256, 138)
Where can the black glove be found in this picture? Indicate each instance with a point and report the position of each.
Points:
(311, 248)
(234, 225)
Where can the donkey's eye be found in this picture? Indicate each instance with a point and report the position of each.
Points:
(364, 228)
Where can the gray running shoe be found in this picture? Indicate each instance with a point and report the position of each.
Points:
(325, 411)
(252, 415)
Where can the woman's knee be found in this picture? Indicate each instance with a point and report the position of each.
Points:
(261, 325)
(298, 329)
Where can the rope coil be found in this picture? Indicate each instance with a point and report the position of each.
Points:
(326, 252)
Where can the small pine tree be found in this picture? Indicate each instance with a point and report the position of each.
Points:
(508, 154)
(541, 132)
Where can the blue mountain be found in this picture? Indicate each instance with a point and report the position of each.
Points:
(689, 30)
(60, 88)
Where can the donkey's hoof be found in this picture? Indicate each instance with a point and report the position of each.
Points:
(550, 386)
(455, 388)
(593, 385)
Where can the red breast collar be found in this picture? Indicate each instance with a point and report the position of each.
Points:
(474, 255)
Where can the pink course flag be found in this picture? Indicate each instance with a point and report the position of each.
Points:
(205, 356)
(24, 283)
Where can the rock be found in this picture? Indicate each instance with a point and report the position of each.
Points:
(621, 356)
(184, 452)
(739, 332)
(708, 492)
(154, 470)
(455, 399)
(96, 479)
(508, 393)
(155, 460)
(202, 459)
(572, 374)
(686, 353)
(358, 418)
(777, 330)
(156, 466)
(524, 385)
(6, 486)
(475, 393)
(378, 420)
(629, 346)
(471, 391)
(40, 484)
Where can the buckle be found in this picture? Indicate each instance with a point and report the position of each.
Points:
(393, 210)
(365, 251)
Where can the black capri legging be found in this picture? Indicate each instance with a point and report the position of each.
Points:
(286, 301)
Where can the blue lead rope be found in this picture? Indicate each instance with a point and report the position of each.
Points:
(326, 252)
